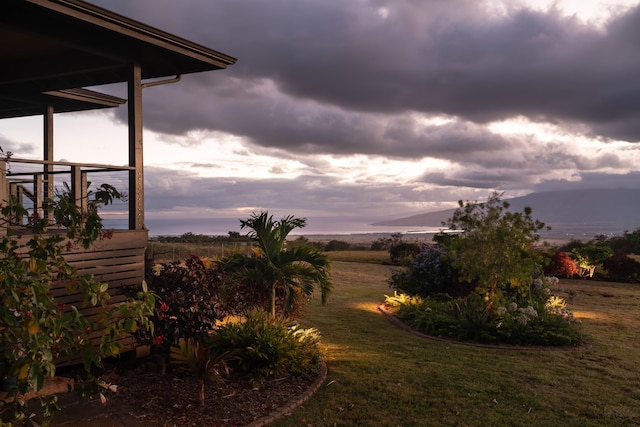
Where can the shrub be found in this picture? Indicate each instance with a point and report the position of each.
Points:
(561, 265)
(622, 268)
(466, 282)
(267, 347)
(403, 252)
(428, 274)
(188, 305)
(628, 243)
(385, 243)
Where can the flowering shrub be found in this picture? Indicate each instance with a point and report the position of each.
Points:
(542, 320)
(429, 273)
(188, 303)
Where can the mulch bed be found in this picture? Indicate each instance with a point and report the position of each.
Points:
(152, 399)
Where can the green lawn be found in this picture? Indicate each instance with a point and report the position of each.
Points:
(380, 375)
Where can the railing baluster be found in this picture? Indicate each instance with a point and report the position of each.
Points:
(37, 195)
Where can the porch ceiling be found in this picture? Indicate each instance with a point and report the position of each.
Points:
(53, 45)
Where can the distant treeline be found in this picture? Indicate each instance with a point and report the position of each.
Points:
(232, 236)
(628, 243)
(381, 244)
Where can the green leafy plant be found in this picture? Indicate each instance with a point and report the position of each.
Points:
(36, 329)
(287, 274)
(267, 347)
(429, 273)
(188, 305)
(206, 363)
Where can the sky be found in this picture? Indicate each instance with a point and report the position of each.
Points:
(364, 110)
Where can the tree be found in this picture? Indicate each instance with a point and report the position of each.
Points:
(403, 252)
(292, 272)
(494, 248)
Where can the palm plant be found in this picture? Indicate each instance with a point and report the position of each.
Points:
(293, 273)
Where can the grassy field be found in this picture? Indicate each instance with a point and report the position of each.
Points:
(380, 375)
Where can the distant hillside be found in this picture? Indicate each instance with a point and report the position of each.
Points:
(599, 211)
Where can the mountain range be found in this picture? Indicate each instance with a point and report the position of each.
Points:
(567, 212)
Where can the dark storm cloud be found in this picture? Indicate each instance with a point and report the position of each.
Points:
(307, 193)
(334, 67)
(366, 77)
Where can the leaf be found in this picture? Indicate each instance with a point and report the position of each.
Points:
(33, 327)
(33, 265)
(24, 371)
(130, 325)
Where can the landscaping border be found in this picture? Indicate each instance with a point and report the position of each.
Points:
(400, 324)
(288, 408)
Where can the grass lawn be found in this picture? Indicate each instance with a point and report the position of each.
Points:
(380, 375)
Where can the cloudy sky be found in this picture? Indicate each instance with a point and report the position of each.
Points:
(374, 109)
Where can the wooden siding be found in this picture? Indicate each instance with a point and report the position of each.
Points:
(118, 261)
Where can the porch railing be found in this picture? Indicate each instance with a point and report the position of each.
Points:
(32, 182)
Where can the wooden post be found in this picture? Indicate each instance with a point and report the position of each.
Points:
(136, 176)
(47, 191)
(37, 195)
(17, 190)
(4, 196)
(77, 187)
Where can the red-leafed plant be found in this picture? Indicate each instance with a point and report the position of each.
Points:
(561, 265)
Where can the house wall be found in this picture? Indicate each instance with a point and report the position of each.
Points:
(118, 261)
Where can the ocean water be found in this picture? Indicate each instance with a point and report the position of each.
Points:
(347, 226)
(315, 226)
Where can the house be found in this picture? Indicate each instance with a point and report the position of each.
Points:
(51, 51)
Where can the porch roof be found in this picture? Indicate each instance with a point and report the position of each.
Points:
(51, 46)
